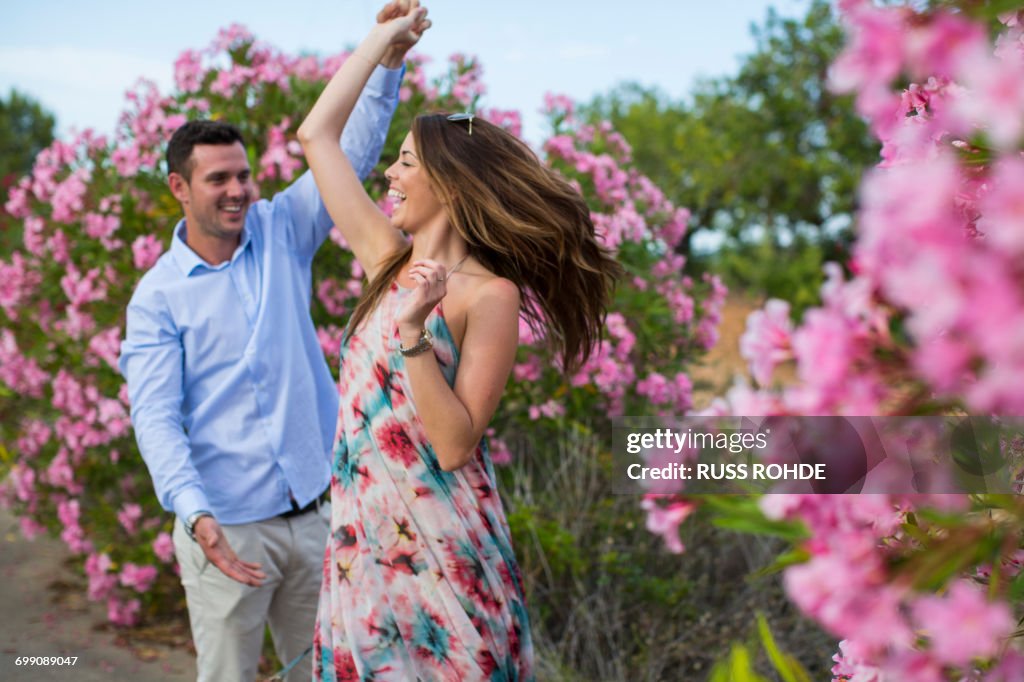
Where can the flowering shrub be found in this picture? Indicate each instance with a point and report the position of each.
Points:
(95, 213)
(931, 321)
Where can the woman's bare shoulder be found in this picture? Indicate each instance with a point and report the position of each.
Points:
(488, 289)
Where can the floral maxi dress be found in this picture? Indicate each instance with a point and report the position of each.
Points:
(420, 581)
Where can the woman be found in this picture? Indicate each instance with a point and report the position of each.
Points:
(420, 581)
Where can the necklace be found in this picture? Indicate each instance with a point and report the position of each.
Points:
(456, 267)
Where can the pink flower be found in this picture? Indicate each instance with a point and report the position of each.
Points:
(35, 434)
(333, 297)
(824, 349)
(106, 346)
(18, 280)
(500, 453)
(163, 547)
(100, 226)
(655, 388)
(330, 338)
(280, 158)
(101, 581)
(129, 516)
(1002, 208)
(665, 520)
(58, 246)
(127, 160)
(30, 528)
(766, 341)
(996, 99)
(231, 37)
(962, 625)
(139, 578)
(849, 668)
(188, 71)
(146, 251)
(560, 105)
(683, 389)
(83, 289)
(124, 614)
(24, 480)
(69, 195)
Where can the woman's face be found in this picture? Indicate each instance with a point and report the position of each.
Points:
(416, 204)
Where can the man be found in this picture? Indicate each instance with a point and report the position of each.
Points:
(233, 404)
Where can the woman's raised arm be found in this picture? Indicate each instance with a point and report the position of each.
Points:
(366, 229)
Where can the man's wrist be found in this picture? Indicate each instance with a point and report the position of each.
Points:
(193, 519)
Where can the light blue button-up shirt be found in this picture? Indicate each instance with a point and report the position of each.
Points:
(232, 402)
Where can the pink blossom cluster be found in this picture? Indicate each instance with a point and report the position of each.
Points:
(937, 257)
(628, 210)
(672, 396)
(509, 119)
(335, 297)
(163, 547)
(101, 579)
(889, 630)
(146, 250)
(69, 513)
(88, 418)
(938, 245)
(416, 79)
(501, 454)
(35, 433)
(665, 518)
(18, 372)
(281, 159)
(950, 263)
(139, 578)
(468, 85)
(17, 282)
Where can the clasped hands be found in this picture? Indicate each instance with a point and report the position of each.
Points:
(408, 21)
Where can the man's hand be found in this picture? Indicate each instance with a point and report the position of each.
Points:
(215, 546)
(394, 57)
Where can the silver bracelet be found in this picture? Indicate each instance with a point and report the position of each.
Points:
(425, 343)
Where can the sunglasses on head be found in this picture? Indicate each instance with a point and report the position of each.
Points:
(463, 117)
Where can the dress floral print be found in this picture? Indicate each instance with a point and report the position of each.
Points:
(420, 581)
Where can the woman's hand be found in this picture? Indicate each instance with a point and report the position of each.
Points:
(404, 22)
(431, 287)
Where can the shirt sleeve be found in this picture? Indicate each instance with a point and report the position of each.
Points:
(299, 206)
(152, 363)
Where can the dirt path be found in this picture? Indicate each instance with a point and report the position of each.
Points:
(44, 612)
(718, 369)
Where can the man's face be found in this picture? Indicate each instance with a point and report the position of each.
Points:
(218, 197)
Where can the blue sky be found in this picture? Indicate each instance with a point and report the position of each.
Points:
(78, 58)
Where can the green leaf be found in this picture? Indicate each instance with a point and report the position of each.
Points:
(1017, 588)
(783, 561)
(736, 668)
(785, 665)
(780, 529)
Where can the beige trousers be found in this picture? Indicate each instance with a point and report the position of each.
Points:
(228, 618)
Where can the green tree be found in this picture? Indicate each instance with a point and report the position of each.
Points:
(25, 129)
(768, 159)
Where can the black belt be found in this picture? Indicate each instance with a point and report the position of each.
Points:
(299, 511)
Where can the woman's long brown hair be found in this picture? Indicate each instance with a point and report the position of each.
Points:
(522, 221)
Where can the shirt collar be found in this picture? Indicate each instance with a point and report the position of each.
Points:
(188, 260)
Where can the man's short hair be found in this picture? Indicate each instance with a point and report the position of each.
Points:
(179, 150)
